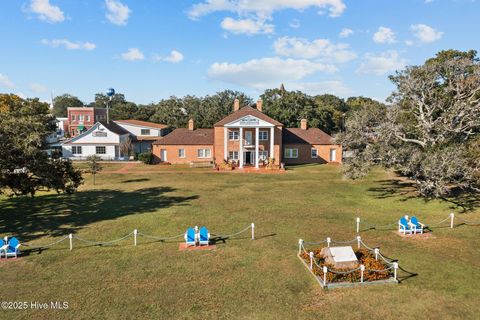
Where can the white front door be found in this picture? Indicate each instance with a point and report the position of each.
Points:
(248, 137)
(163, 155)
(333, 154)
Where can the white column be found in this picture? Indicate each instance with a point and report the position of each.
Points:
(240, 152)
(257, 130)
(271, 153)
(225, 140)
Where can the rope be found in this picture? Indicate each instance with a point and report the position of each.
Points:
(159, 238)
(439, 223)
(102, 243)
(373, 270)
(47, 245)
(385, 259)
(315, 243)
(233, 234)
(344, 272)
(344, 242)
(368, 248)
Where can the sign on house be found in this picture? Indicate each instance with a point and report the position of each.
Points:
(249, 121)
(99, 133)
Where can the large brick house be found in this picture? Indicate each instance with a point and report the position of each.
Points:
(80, 119)
(250, 138)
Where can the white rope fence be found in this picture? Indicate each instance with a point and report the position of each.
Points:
(135, 234)
(391, 264)
(451, 219)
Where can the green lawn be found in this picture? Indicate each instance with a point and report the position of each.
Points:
(241, 279)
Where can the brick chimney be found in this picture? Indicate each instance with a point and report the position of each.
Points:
(303, 124)
(191, 125)
(260, 105)
(236, 105)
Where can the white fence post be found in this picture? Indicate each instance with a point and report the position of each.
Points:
(70, 237)
(135, 232)
(300, 245)
(311, 260)
(325, 270)
(329, 240)
(377, 251)
(395, 267)
(452, 216)
(359, 240)
(253, 231)
(362, 269)
(358, 224)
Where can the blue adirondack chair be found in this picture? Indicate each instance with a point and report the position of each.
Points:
(416, 225)
(190, 237)
(3, 247)
(404, 226)
(204, 236)
(11, 249)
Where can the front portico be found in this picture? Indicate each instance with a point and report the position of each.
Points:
(242, 137)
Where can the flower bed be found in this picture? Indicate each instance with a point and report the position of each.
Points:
(372, 266)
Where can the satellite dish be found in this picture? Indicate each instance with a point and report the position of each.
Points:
(110, 92)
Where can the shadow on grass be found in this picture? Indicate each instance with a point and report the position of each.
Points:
(405, 190)
(59, 215)
(219, 239)
(136, 180)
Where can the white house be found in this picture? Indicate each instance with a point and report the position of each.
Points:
(143, 133)
(103, 139)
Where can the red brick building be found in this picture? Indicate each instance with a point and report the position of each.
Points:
(250, 138)
(83, 118)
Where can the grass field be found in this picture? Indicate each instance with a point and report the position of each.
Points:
(241, 279)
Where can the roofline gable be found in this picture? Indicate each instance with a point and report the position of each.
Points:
(95, 126)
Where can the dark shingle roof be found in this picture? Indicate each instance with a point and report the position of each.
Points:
(115, 128)
(183, 136)
(246, 111)
(143, 123)
(309, 136)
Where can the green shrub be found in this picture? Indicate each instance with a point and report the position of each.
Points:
(146, 157)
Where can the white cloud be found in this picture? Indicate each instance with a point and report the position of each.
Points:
(383, 63)
(428, 1)
(295, 24)
(345, 33)
(37, 88)
(117, 12)
(266, 72)
(5, 81)
(335, 87)
(46, 11)
(409, 42)
(247, 26)
(69, 45)
(384, 35)
(174, 57)
(426, 33)
(321, 49)
(264, 8)
(133, 54)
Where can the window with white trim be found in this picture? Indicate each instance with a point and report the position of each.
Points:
(100, 150)
(233, 135)
(181, 153)
(80, 117)
(88, 118)
(145, 132)
(204, 153)
(263, 155)
(291, 153)
(233, 155)
(76, 149)
(263, 135)
(73, 117)
(314, 153)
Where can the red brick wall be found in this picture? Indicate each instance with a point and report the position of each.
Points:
(172, 153)
(305, 155)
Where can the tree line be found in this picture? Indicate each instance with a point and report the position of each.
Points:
(326, 112)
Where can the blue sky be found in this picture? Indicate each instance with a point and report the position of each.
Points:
(151, 49)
